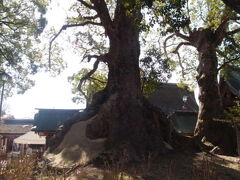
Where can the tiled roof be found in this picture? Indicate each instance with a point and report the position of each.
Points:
(19, 121)
(14, 129)
(51, 119)
(169, 97)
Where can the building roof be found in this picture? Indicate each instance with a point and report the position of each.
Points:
(19, 121)
(48, 120)
(184, 121)
(30, 138)
(14, 129)
(169, 97)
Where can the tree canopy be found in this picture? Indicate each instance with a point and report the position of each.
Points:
(21, 23)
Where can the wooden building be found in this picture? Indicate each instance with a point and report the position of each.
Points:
(11, 129)
(229, 87)
(179, 104)
(47, 121)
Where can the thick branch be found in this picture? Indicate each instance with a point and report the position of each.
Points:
(101, 7)
(90, 17)
(103, 57)
(186, 38)
(89, 74)
(233, 32)
(180, 45)
(233, 4)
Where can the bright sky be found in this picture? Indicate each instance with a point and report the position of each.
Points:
(48, 92)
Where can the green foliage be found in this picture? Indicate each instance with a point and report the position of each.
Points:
(170, 15)
(20, 25)
(96, 83)
(154, 70)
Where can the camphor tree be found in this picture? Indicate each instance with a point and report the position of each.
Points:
(215, 23)
(21, 22)
(120, 112)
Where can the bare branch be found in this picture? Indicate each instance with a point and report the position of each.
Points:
(233, 32)
(86, 4)
(180, 64)
(186, 38)
(227, 62)
(90, 17)
(93, 78)
(180, 45)
(88, 75)
(221, 30)
(103, 57)
(165, 44)
(64, 27)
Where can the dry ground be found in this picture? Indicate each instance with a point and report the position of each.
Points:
(173, 166)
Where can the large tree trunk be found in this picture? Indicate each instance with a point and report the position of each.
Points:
(233, 4)
(209, 97)
(210, 106)
(120, 112)
(126, 118)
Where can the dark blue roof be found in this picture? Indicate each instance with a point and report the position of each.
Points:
(169, 98)
(50, 119)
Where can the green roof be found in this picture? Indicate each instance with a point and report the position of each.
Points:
(184, 121)
(51, 119)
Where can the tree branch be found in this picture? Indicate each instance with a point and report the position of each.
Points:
(93, 78)
(103, 57)
(89, 74)
(229, 61)
(101, 8)
(233, 4)
(64, 27)
(90, 17)
(180, 45)
(186, 38)
(180, 64)
(233, 32)
(165, 44)
(86, 4)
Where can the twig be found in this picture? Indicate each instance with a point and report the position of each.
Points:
(64, 27)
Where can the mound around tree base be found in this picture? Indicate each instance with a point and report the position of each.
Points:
(76, 148)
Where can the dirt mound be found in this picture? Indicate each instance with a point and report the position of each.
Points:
(76, 148)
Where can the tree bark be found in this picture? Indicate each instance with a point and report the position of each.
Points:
(126, 118)
(210, 106)
(209, 97)
(120, 113)
(233, 4)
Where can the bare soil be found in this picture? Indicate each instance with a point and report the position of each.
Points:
(172, 166)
